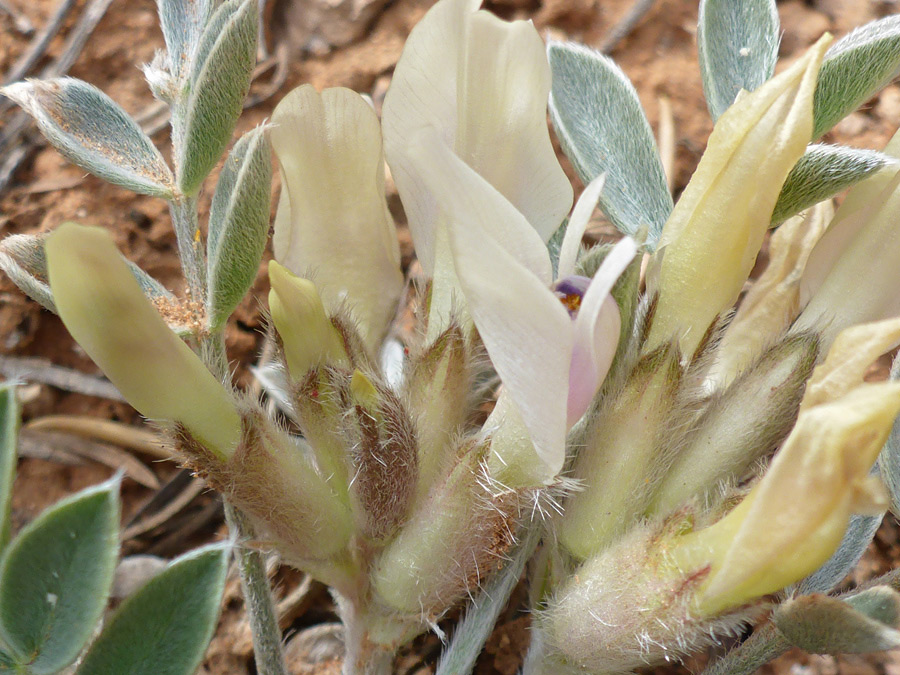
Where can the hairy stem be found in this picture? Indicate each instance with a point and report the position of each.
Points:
(258, 599)
(190, 245)
(361, 655)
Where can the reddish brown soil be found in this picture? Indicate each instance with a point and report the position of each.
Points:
(660, 57)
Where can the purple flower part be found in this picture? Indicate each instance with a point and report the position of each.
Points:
(572, 285)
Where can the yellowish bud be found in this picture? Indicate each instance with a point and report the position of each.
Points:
(793, 520)
(308, 336)
(711, 240)
(106, 312)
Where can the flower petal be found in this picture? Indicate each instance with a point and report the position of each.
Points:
(308, 337)
(338, 229)
(578, 222)
(802, 504)
(461, 193)
(773, 301)
(102, 305)
(861, 203)
(502, 131)
(848, 360)
(504, 272)
(711, 240)
(423, 92)
(597, 327)
(591, 361)
(452, 57)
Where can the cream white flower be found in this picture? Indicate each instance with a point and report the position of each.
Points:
(793, 519)
(551, 342)
(483, 84)
(333, 223)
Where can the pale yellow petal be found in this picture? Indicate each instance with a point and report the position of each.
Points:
(860, 204)
(106, 312)
(802, 504)
(307, 335)
(711, 240)
(852, 353)
(773, 301)
(338, 229)
(862, 283)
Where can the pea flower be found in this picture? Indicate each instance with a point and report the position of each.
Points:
(664, 588)
(333, 223)
(452, 57)
(552, 343)
(711, 239)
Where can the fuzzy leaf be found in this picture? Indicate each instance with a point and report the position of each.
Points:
(22, 259)
(738, 45)
(821, 173)
(55, 577)
(219, 81)
(856, 68)
(182, 22)
(164, 628)
(238, 225)
(94, 132)
(9, 427)
(475, 628)
(598, 118)
(863, 623)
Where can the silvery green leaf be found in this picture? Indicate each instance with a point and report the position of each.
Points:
(219, 82)
(238, 224)
(857, 538)
(22, 259)
(889, 459)
(164, 628)
(737, 44)
(55, 578)
(856, 67)
(881, 603)
(763, 646)
(822, 172)
(475, 628)
(598, 118)
(182, 22)
(94, 132)
(9, 431)
(823, 625)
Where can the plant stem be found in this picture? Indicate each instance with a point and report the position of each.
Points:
(361, 655)
(251, 563)
(190, 245)
(257, 598)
